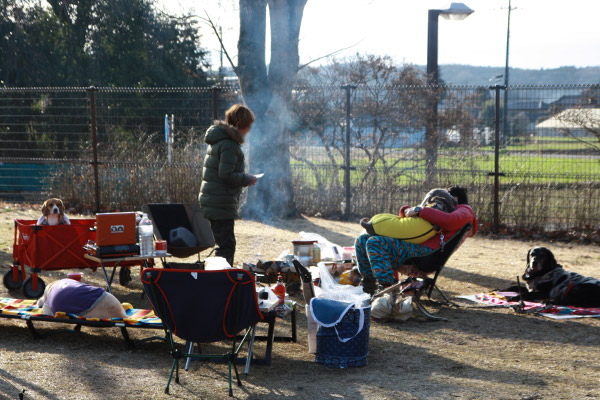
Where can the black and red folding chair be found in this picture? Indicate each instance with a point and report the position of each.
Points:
(203, 307)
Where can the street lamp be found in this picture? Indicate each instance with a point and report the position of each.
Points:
(456, 11)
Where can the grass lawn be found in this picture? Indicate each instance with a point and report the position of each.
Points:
(462, 167)
(547, 143)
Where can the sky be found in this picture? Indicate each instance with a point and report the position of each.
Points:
(543, 33)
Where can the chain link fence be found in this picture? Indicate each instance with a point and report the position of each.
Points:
(356, 151)
(546, 146)
(105, 148)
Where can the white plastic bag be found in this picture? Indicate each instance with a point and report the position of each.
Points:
(330, 289)
(390, 307)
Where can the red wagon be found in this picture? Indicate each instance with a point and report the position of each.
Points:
(47, 248)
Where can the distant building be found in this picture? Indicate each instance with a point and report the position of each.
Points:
(578, 122)
(568, 101)
(533, 109)
(527, 105)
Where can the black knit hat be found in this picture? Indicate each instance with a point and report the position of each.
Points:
(448, 202)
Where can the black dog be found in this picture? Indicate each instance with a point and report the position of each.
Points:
(547, 281)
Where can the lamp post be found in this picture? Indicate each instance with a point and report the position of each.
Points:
(456, 11)
(505, 110)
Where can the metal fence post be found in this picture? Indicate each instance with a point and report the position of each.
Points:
(496, 222)
(93, 129)
(348, 208)
(215, 102)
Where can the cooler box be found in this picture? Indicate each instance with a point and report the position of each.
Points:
(115, 229)
(343, 336)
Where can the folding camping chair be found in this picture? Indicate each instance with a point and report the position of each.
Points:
(203, 307)
(425, 265)
(166, 217)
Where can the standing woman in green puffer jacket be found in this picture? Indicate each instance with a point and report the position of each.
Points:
(223, 176)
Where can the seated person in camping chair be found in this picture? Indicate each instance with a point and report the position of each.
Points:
(378, 256)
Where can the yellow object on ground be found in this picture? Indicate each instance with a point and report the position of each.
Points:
(345, 278)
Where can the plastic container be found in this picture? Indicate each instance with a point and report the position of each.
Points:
(216, 264)
(146, 236)
(303, 250)
(349, 252)
(279, 289)
(316, 253)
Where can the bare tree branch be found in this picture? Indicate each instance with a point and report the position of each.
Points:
(214, 28)
(328, 55)
(209, 22)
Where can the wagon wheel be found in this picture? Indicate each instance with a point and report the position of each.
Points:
(124, 276)
(9, 281)
(28, 288)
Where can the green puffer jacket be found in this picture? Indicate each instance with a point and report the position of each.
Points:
(223, 175)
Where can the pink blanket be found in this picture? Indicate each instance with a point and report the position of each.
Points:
(550, 311)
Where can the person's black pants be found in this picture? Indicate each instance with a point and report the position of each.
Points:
(224, 235)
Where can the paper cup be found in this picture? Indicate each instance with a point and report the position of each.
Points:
(160, 246)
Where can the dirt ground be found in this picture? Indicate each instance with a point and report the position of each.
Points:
(478, 353)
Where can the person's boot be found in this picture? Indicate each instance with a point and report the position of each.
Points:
(369, 285)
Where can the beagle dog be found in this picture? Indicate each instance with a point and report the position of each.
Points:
(53, 213)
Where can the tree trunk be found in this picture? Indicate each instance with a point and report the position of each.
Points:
(268, 94)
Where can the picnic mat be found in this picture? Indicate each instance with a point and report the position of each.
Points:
(135, 316)
(551, 311)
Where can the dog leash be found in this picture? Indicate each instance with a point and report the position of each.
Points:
(520, 308)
